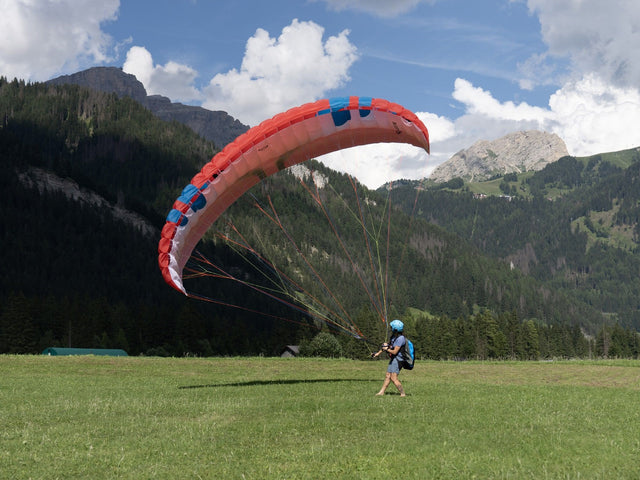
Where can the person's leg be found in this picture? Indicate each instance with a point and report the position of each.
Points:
(385, 384)
(396, 382)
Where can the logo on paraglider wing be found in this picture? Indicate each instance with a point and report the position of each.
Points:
(199, 201)
(341, 117)
(338, 107)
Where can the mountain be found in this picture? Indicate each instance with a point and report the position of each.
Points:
(514, 153)
(216, 126)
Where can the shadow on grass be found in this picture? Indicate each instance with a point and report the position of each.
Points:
(253, 383)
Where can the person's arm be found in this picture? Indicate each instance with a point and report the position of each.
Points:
(387, 348)
(384, 348)
(393, 351)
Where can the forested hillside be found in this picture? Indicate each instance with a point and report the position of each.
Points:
(77, 274)
(575, 226)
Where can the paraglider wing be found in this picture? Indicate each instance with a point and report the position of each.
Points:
(288, 138)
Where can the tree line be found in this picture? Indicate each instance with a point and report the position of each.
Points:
(490, 336)
(29, 325)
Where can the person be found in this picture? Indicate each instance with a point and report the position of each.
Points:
(394, 350)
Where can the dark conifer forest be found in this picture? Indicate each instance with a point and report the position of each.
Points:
(87, 179)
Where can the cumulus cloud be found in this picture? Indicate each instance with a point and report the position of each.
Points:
(275, 73)
(173, 79)
(41, 38)
(594, 36)
(481, 102)
(377, 164)
(591, 110)
(279, 73)
(593, 116)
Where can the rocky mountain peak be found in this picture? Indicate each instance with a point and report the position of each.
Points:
(106, 79)
(216, 126)
(516, 152)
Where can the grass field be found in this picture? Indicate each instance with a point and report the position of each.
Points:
(263, 418)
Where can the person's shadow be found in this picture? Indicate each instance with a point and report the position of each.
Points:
(252, 383)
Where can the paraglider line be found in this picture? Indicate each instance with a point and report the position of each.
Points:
(368, 244)
(317, 199)
(276, 220)
(225, 275)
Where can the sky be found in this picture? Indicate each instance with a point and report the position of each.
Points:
(470, 70)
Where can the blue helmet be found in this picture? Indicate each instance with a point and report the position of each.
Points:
(397, 326)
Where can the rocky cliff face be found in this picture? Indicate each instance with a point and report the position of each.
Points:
(517, 152)
(106, 79)
(218, 127)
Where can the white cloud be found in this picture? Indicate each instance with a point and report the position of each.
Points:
(173, 79)
(376, 164)
(596, 36)
(40, 38)
(592, 116)
(481, 102)
(595, 110)
(139, 62)
(277, 74)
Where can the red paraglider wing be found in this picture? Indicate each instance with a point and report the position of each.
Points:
(292, 137)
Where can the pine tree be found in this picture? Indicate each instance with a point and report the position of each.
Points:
(17, 326)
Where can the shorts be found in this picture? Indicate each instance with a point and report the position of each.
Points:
(394, 365)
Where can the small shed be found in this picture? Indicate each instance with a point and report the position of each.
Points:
(59, 351)
(290, 351)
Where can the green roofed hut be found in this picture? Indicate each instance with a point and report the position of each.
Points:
(59, 351)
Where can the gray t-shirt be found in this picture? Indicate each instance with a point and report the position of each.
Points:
(399, 341)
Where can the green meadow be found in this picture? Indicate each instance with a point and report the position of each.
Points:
(264, 418)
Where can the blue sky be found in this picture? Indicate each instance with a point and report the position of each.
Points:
(470, 69)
